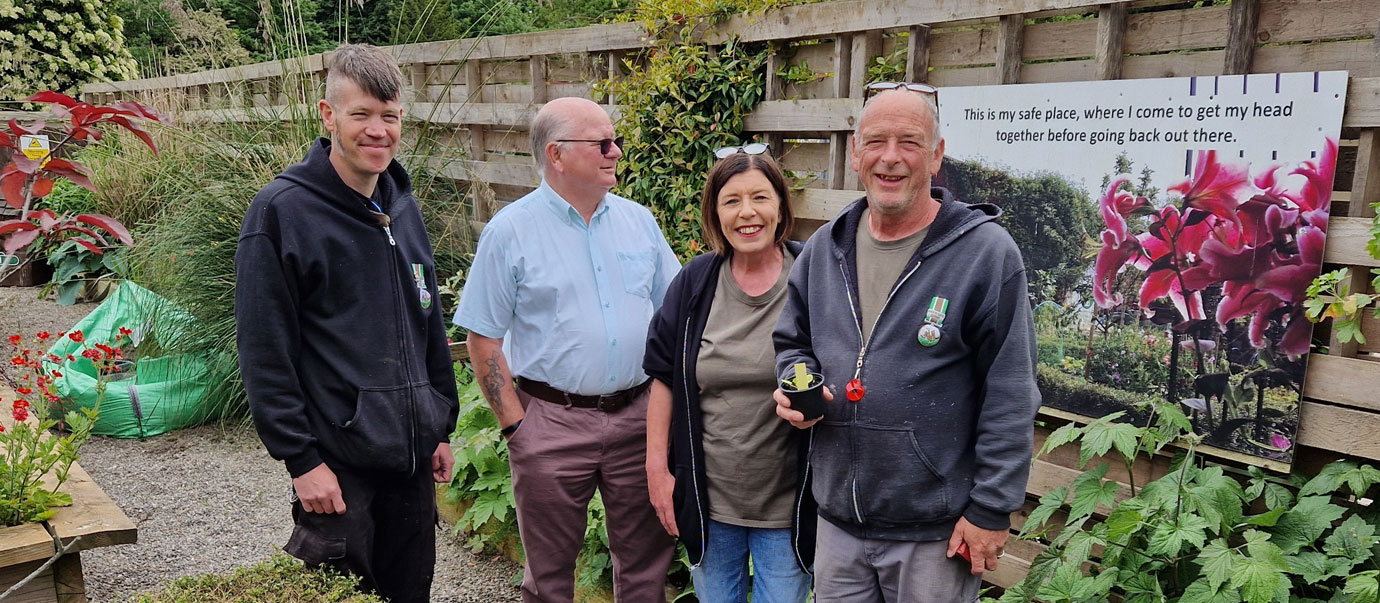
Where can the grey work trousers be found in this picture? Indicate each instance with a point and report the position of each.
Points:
(864, 570)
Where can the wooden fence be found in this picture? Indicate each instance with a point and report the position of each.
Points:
(481, 94)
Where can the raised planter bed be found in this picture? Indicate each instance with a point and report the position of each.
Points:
(92, 521)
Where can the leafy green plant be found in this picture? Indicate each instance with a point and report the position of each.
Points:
(75, 267)
(688, 100)
(1330, 296)
(280, 579)
(59, 45)
(1199, 533)
(801, 73)
(888, 67)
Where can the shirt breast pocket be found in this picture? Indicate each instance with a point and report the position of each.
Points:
(638, 269)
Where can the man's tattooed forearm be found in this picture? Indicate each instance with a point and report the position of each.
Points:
(492, 382)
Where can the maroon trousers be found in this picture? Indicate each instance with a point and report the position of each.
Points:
(558, 456)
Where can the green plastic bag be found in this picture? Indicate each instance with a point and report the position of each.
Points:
(158, 394)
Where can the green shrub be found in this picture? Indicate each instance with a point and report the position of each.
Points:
(281, 579)
(59, 45)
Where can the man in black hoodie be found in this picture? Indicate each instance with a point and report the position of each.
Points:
(913, 306)
(342, 343)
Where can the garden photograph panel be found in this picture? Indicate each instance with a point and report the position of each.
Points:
(1170, 229)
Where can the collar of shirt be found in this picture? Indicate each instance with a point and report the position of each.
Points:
(564, 210)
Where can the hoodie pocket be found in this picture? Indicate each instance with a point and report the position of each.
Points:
(434, 419)
(638, 269)
(380, 435)
(896, 484)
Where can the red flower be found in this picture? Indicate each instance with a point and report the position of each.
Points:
(23, 391)
(43, 336)
(2, 429)
(125, 332)
(57, 375)
(76, 336)
(15, 340)
(21, 414)
(1116, 205)
(1215, 187)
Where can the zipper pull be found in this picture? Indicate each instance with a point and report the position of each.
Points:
(857, 371)
(385, 221)
(389, 231)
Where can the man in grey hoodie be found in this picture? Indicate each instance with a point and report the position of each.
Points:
(913, 306)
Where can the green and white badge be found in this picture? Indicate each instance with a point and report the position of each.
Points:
(934, 321)
(419, 277)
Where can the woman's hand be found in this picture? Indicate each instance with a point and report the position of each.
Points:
(660, 484)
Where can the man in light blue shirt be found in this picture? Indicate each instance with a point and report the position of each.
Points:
(563, 286)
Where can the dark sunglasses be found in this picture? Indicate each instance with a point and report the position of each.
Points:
(605, 144)
(756, 148)
(877, 87)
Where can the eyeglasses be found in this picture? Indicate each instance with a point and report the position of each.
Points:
(756, 148)
(878, 87)
(605, 144)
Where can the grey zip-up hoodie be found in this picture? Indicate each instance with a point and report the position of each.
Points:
(943, 431)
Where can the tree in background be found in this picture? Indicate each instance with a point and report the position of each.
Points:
(498, 17)
(60, 45)
(1050, 219)
(173, 36)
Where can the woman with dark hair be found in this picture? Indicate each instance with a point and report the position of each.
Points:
(725, 474)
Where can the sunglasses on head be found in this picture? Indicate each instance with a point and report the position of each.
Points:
(878, 87)
(605, 144)
(756, 148)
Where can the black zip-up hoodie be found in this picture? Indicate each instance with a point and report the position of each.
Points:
(341, 361)
(673, 350)
(942, 431)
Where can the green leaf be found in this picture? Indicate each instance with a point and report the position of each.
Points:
(1059, 437)
(1049, 504)
(1257, 579)
(1201, 591)
(1267, 519)
(1277, 496)
(1357, 478)
(1315, 567)
(1089, 491)
(1170, 537)
(1362, 587)
(1305, 523)
(1123, 521)
(67, 292)
(1102, 436)
(1218, 561)
(1353, 540)
(1143, 587)
(1259, 547)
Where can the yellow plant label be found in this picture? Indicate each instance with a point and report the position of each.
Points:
(35, 146)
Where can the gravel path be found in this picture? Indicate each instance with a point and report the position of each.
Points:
(209, 499)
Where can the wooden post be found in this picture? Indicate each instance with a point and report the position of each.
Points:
(838, 141)
(1111, 40)
(1365, 191)
(67, 579)
(1010, 43)
(773, 92)
(615, 70)
(1245, 16)
(866, 44)
(537, 68)
(918, 54)
(417, 73)
(474, 87)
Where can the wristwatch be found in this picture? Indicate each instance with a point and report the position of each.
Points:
(507, 432)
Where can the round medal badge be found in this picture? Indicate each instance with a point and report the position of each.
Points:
(929, 335)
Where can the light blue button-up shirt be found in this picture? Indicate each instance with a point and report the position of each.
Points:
(572, 301)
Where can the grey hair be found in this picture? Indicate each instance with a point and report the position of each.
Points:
(368, 66)
(545, 128)
(935, 134)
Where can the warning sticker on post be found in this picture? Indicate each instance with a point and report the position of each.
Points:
(35, 146)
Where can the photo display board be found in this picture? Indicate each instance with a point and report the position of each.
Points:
(1170, 228)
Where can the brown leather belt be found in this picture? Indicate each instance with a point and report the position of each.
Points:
(613, 402)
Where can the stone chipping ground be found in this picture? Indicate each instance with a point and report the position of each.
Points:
(209, 499)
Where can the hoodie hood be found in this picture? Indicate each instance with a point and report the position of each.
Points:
(955, 219)
(316, 173)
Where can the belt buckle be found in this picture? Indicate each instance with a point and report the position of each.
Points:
(599, 405)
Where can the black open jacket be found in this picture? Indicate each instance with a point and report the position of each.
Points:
(673, 345)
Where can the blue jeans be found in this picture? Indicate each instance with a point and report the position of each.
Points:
(722, 576)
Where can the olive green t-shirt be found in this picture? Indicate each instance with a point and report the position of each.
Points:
(749, 461)
(880, 264)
